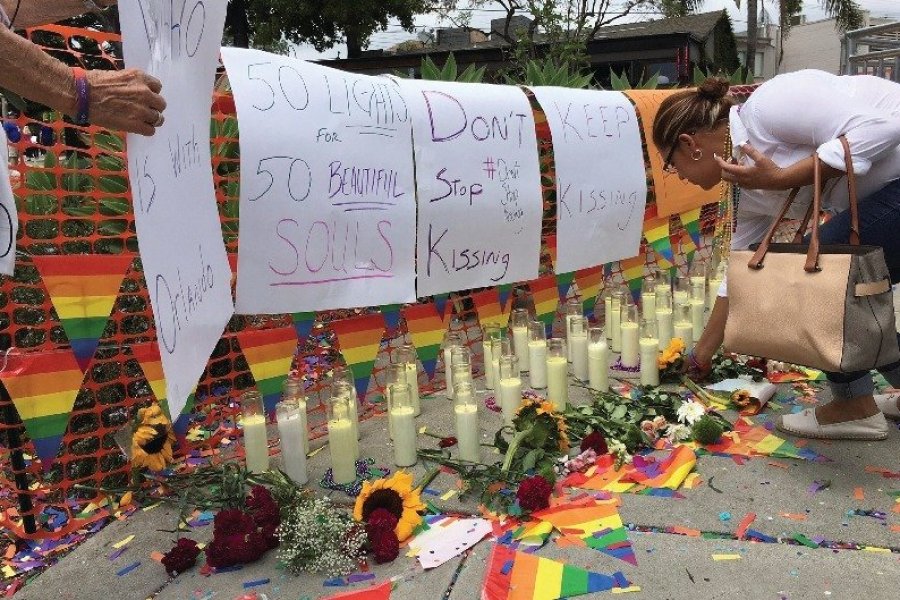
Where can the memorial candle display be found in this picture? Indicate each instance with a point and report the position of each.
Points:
(648, 297)
(468, 435)
(395, 374)
(617, 299)
(630, 326)
(256, 444)
(519, 320)
(537, 355)
(291, 416)
(573, 309)
(344, 391)
(697, 276)
(684, 326)
(292, 391)
(681, 292)
(501, 346)
(649, 344)
(698, 308)
(510, 387)
(403, 423)
(407, 356)
(451, 341)
(578, 346)
(462, 373)
(607, 295)
(488, 333)
(598, 360)
(664, 319)
(342, 442)
(343, 374)
(557, 374)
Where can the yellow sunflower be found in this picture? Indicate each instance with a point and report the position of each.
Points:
(396, 495)
(545, 407)
(152, 441)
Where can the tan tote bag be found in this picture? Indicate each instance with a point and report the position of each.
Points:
(828, 307)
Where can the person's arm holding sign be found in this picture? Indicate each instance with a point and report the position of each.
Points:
(126, 100)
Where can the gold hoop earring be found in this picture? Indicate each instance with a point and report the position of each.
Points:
(697, 154)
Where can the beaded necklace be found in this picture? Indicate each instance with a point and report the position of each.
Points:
(728, 202)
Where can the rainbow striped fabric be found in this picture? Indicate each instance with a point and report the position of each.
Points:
(592, 523)
(513, 575)
(656, 232)
(83, 290)
(359, 340)
(642, 473)
(43, 387)
(750, 439)
(633, 272)
(589, 282)
(381, 591)
(269, 352)
(489, 309)
(426, 329)
(546, 300)
(303, 324)
(691, 222)
(148, 357)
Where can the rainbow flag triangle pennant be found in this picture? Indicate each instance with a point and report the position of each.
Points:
(359, 339)
(595, 524)
(489, 309)
(303, 324)
(656, 232)
(391, 314)
(43, 387)
(83, 290)
(147, 355)
(440, 301)
(382, 591)
(504, 290)
(750, 439)
(546, 300)
(667, 472)
(513, 575)
(426, 329)
(269, 353)
(589, 282)
(564, 284)
(550, 244)
(633, 273)
(691, 222)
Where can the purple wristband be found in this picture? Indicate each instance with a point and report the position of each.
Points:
(82, 96)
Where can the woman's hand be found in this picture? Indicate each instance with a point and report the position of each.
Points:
(763, 174)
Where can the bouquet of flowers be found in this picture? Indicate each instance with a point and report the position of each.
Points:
(671, 361)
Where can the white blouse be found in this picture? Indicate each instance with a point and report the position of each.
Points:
(793, 115)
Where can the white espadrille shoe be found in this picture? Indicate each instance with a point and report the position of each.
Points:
(887, 404)
(805, 424)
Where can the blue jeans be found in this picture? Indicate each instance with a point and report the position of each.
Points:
(879, 225)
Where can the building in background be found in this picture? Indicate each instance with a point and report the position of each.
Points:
(817, 45)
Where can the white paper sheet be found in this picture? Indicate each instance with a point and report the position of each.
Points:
(327, 187)
(9, 217)
(601, 184)
(478, 185)
(180, 236)
(441, 543)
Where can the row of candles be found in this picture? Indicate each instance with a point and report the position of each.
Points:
(676, 311)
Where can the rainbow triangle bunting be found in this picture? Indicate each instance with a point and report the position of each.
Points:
(391, 314)
(550, 245)
(669, 472)
(303, 324)
(564, 283)
(750, 439)
(504, 291)
(489, 309)
(381, 591)
(513, 575)
(633, 273)
(43, 387)
(359, 339)
(656, 232)
(589, 282)
(546, 300)
(426, 329)
(592, 523)
(147, 355)
(269, 352)
(691, 222)
(83, 289)
(440, 301)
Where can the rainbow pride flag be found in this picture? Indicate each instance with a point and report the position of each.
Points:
(426, 329)
(633, 272)
(589, 282)
(750, 439)
(642, 473)
(391, 314)
(359, 340)
(303, 324)
(83, 290)
(691, 222)
(656, 232)
(546, 300)
(504, 290)
(513, 575)
(489, 309)
(147, 355)
(381, 591)
(269, 352)
(43, 387)
(440, 301)
(592, 523)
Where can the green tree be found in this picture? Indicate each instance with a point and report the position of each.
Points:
(275, 24)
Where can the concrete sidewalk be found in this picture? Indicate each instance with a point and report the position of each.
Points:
(669, 566)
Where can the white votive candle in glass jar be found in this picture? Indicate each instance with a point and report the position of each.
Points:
(406, 355)
(341, 441)
(518, 321)
(630, 327)
(649, 354)
(468, 434)
(557, 374)
(488, 333)
(648, 297)
(598, 360)
(342, 389)
(684, 326)
(291, 416)
(451, 341)
(578, 346)
(573, 309)
(256, 444)
(510, 388)
(537, 355)
(665, 320)
(403, 423)
(616, 301)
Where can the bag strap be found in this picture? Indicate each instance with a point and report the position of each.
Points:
(756, 261)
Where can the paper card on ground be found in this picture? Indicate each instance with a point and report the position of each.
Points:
(601, 184)
(760, 392)
(673, 196)
(175, 211)
(478, 185)
(328, 206)
(9, 218)
(447, 539)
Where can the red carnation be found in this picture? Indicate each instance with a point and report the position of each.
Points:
(182, 557)
(385, 545)
(534, 493)
(596, 442)
(381, 518)
(232, 522)
(447, 442)
(225, 551)
(264, 510)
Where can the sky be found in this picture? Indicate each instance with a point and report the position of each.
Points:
(481, 19)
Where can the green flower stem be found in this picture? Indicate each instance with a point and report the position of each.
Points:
(429, 477)
(513, 448)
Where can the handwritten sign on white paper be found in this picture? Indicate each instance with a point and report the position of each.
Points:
(478, 184)
(328, 205)
(9, 218)
(601, 184)
(178, 225)
(447, 539)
